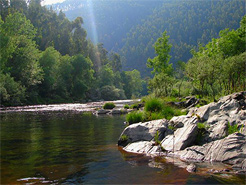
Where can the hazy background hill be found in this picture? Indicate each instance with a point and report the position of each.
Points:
(131, 27)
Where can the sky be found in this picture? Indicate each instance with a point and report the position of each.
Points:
(49, 2)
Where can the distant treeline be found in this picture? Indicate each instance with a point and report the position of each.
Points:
(45, 58)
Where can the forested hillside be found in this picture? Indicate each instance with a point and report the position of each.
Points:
(131, 27)
(45, 58)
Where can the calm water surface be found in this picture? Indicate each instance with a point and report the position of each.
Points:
(76, 148)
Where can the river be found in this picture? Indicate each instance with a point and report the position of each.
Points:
(73, 147)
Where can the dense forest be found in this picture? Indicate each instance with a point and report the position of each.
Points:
(131, 27)
(45, 58)
(48, 58)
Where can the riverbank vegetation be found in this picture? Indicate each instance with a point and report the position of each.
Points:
(45, 58)
(154, 108)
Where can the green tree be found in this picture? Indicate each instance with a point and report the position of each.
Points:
(82, 76)
(49, 61)
(19, 53)
(162, 82)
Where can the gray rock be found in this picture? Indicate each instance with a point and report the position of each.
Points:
(140, 147)
(103, 111)
(119, 111)
(230, 150)
(218, 131)
(146, 131)
(191, 168)
(204, 111)
(182, 137)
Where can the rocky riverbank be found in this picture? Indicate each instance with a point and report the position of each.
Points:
(212, 133)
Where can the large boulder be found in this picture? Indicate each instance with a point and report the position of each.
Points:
(182, 137)
(217, 131)
(231, 150)
(145, 131)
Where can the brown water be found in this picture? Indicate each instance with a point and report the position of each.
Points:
(73, 148)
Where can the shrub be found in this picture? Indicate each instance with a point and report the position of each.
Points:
(109, 106)
(126, 106)
(134, 106)
(153, 105)
(134, 117)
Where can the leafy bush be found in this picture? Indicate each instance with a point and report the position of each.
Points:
(153, 105)
(109, 105)
(134, 117)
(126, 106)
(134, 106)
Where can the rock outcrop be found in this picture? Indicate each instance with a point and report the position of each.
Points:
(217, 143)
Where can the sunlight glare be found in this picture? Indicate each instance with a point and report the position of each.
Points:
(49, 2)
(92, 20)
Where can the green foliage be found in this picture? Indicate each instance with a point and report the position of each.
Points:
(232, 128)
(109, 105)
(156, 138)
(110, 93)
(201, 125)
(134, 117)
(11, 92)
(126, 106)
(202, 129)
(153, 105)
(133, 84)
(163, 80)
(219, 67)
(171, 127)
(134, 106)
(124, 137)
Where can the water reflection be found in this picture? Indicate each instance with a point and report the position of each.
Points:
(66, 148)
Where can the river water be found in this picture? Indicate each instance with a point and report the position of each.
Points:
(67, 147)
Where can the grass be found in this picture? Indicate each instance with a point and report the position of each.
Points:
(153, 105)
(154, 108)
(201, 125)
(134, 117)
(232, 128)
(156, 138)
(109, 105)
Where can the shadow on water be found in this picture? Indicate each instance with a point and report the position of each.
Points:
(73, 148)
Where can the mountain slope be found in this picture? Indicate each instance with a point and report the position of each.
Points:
(131, 27)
